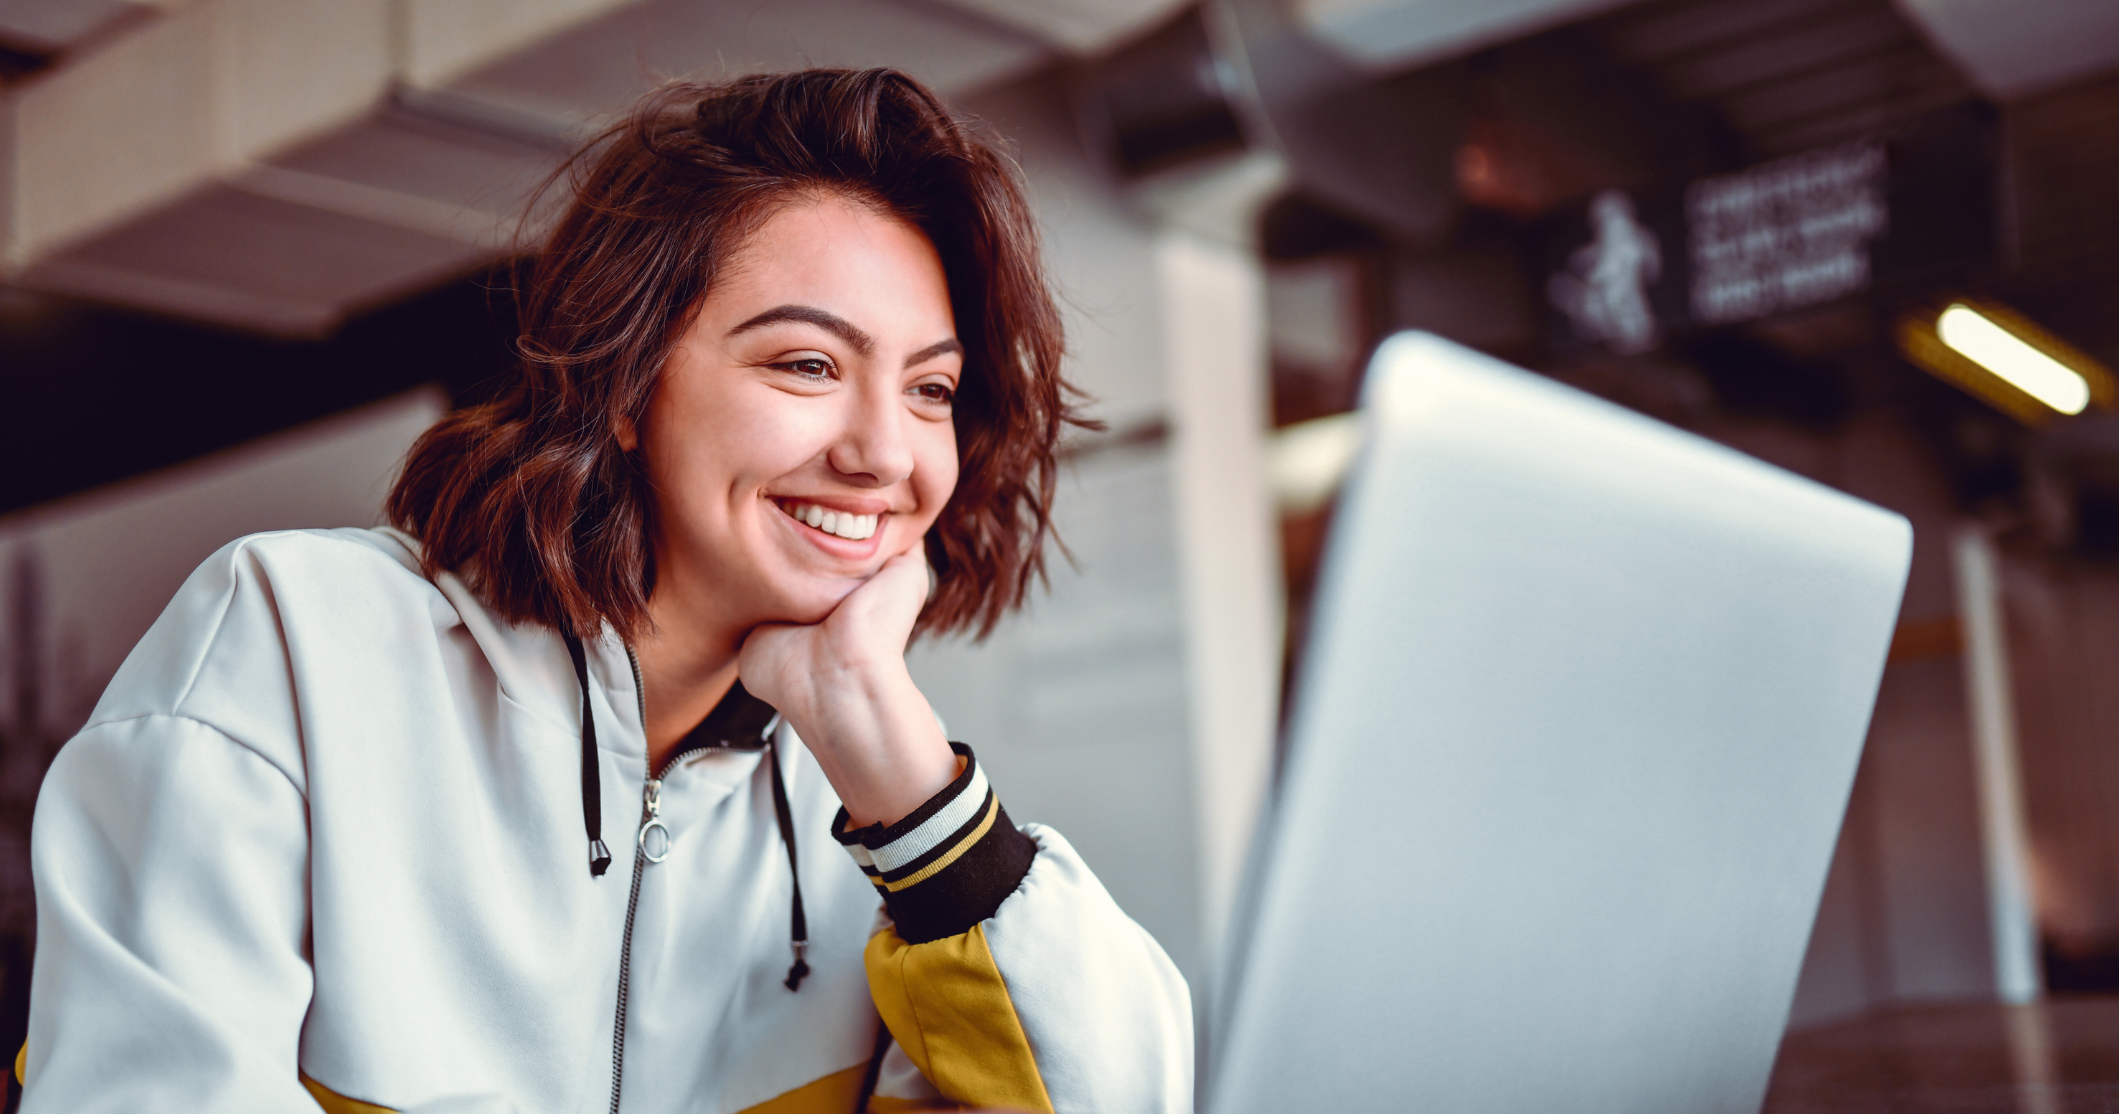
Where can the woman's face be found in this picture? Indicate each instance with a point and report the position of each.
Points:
(800, 435)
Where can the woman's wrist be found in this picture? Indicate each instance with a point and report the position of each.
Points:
(877, 740)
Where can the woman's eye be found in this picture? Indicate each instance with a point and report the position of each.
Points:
(935, 392)
(808, 367)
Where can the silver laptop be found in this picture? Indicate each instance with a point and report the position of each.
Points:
(1569, 751)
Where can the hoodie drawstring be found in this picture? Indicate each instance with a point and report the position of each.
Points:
(591, 772)
(798, 927)
(592, 815)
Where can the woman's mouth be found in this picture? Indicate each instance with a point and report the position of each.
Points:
(842, 524)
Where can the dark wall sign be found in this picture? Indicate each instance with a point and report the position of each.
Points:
(1785, 235)
(1888, 215)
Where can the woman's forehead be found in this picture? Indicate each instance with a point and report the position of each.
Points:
(835, 260)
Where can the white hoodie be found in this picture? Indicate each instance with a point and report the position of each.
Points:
(322, 843)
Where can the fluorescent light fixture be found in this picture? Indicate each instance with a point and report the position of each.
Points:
(2012, 358)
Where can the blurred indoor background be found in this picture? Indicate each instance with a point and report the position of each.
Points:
(249, 248)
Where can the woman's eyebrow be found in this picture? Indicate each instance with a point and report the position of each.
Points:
(938, 348)
(810, 315)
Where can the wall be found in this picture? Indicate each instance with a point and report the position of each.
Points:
(1132, 708)
(1077, 705)
(110, 559)
(2063, 621)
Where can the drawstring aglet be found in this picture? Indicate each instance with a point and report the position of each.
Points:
(599, 858)
(800, 970)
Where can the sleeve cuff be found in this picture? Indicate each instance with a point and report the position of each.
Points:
(947, 866)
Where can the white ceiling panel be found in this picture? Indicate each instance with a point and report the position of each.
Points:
(405, 185)
(54, 26)
(597, 68)
(227, 255)
(407, 165)
(1400, 34)
(2014, 47)
(1081, 26)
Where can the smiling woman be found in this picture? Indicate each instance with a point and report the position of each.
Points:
(838, 405)
(789, 392)
(665, 205)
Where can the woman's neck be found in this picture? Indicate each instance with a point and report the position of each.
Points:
(686, 667)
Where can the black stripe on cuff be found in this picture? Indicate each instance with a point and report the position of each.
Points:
(968, 890)
(876, 835)
(988, 858)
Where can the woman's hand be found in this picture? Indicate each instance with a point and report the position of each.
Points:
(843, 684)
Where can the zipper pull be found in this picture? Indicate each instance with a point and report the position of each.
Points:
(651, 821)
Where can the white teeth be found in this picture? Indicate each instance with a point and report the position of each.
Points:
(852, 527)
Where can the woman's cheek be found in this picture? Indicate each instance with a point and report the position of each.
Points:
(935, 475)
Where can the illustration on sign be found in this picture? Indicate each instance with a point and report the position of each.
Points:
(1604, 290)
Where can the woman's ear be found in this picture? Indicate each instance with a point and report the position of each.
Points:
(628, 434)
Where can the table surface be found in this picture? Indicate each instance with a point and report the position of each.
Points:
(2057, 1057)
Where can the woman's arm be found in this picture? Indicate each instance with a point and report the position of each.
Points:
(170, 867)
(1009, 977)
(171, 853)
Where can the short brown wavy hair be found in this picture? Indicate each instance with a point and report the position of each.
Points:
(530, 498)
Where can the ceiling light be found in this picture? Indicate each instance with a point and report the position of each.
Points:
(2009, 356)
(2005, 359)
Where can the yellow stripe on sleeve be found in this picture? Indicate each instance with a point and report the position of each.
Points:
(884, 1104)
(948, 1008)
(335, 1103)
(993, 809)
(833, 1094)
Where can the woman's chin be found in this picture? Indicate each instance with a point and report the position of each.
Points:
(812, 602)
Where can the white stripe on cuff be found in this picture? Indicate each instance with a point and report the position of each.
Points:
(937, 828)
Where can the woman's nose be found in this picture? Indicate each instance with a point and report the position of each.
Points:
(873, 449)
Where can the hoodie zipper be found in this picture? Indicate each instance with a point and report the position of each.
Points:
(650, 806)
(650, 814)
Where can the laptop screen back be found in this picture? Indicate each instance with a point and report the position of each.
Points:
(1568, 755)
